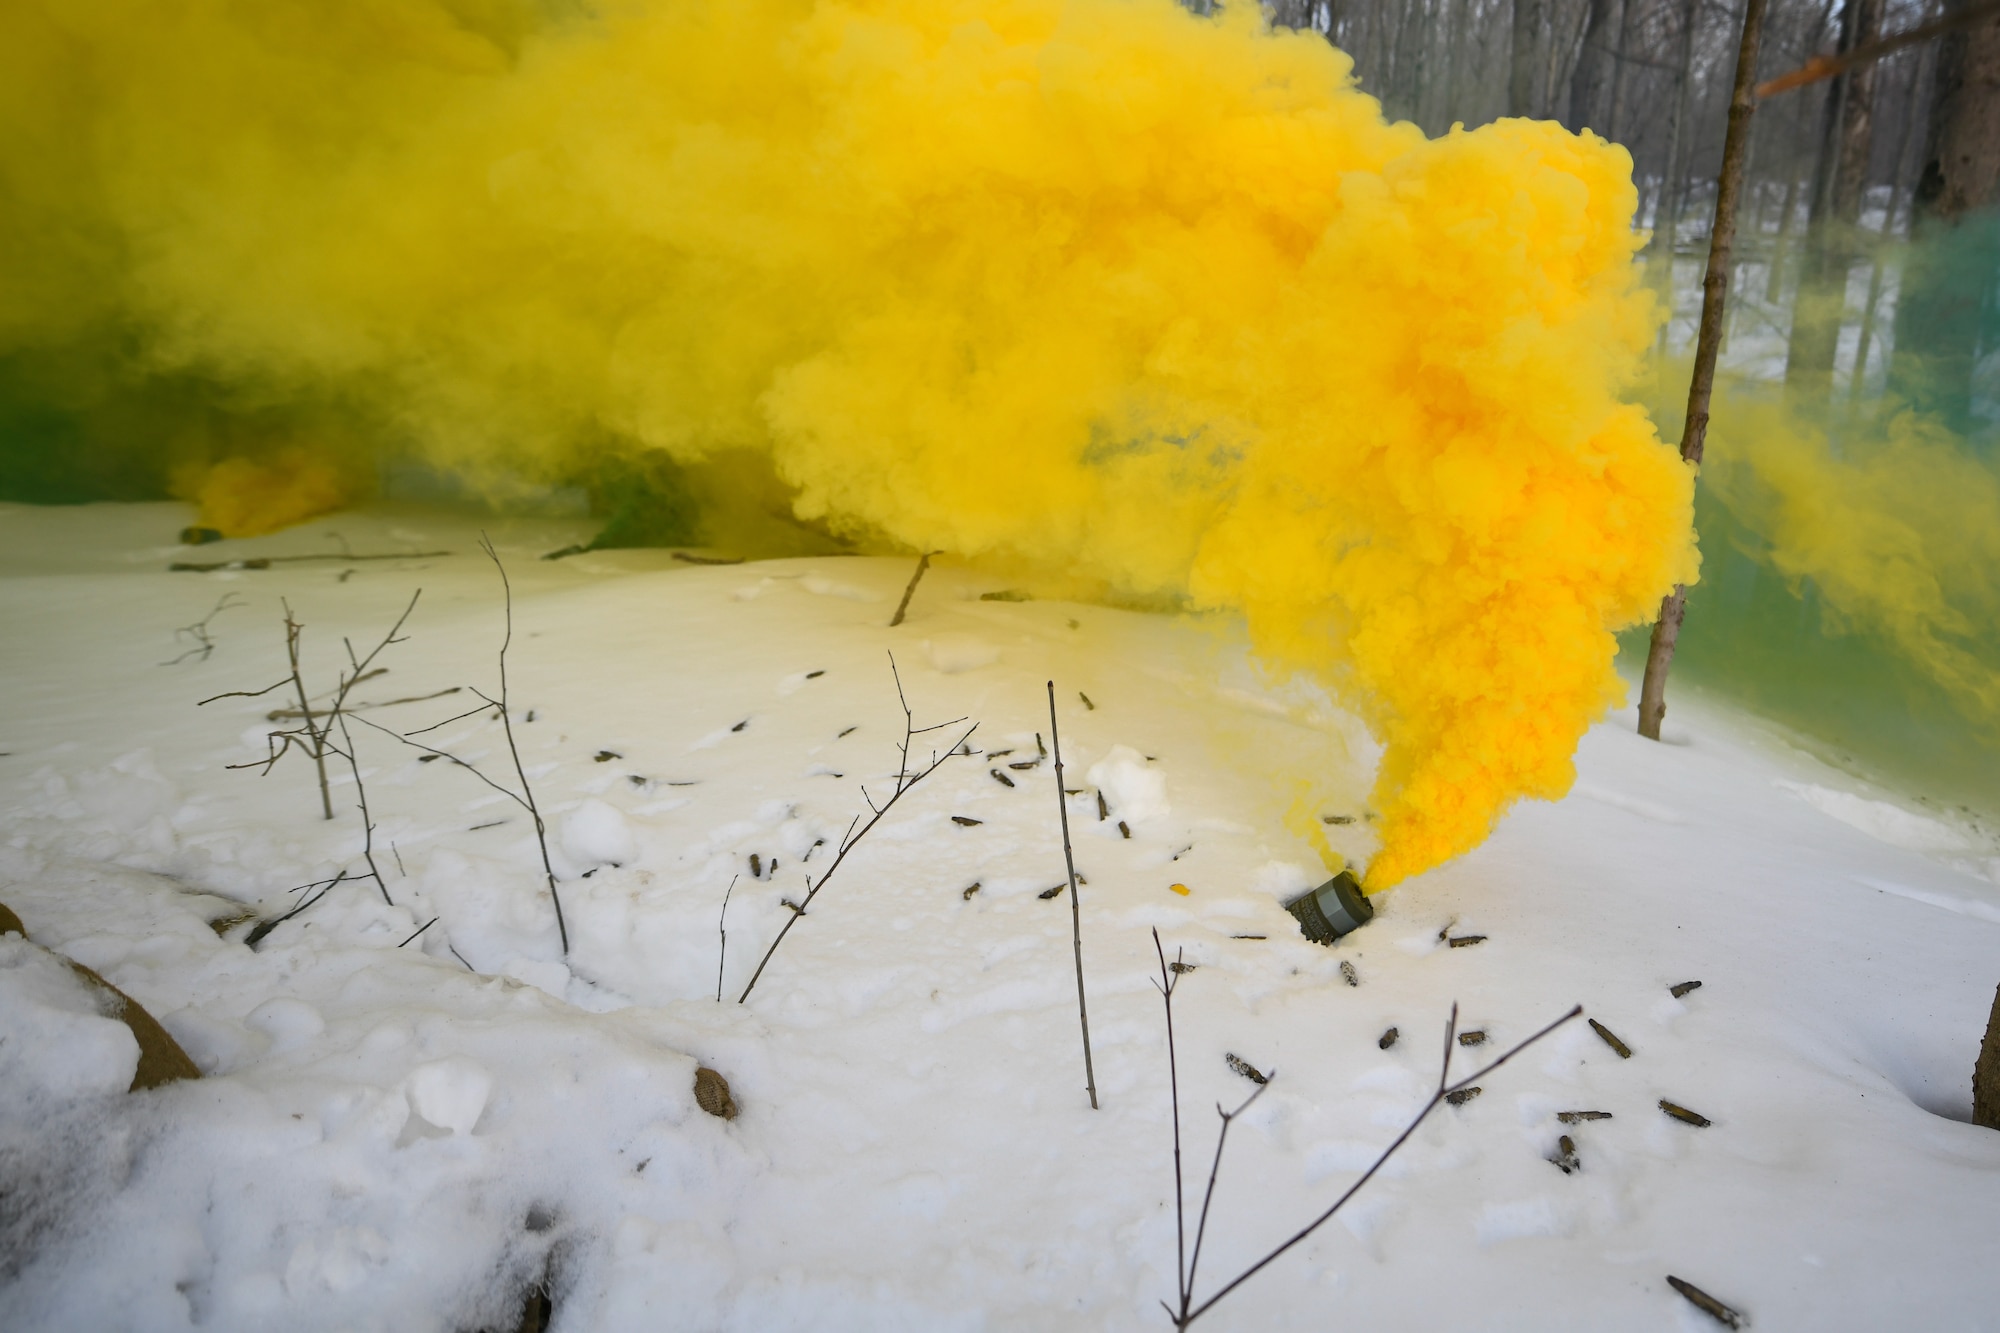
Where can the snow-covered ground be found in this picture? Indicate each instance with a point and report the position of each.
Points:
(405, 1134)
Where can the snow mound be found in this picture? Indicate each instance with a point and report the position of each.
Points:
(596, 834)
(1134, 787)
(951, 654)
(1882, 821)
(57, 1037)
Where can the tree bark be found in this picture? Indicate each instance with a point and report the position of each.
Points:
(1714, 303)
(1986, 1073)
(1943, 304)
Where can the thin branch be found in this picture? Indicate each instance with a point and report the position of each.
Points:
(507, 722)
(204, 642)
(721, 928)
(905, 780)
(1075, 909)
(264, 928)
(1168, 980)
(1444, 1088)
(1827, 67)
(1214, 1170)
(513, 796)
(361, 797)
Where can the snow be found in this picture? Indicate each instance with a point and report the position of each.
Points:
(406, 1133)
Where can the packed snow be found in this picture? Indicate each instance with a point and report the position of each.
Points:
(416, 1111)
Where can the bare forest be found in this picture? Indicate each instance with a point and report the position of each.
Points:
(1838, 170)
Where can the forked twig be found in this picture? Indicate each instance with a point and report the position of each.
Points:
(204, 642)
(905, 779)
(1188, 1310)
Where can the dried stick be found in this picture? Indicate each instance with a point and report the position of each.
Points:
(1075, 911)
(721, 928)
(906, 778)
(507, 722)
(266, 561)
(923, 563)
(1189, 1311)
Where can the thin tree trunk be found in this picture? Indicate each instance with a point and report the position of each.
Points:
(1898, 181)
(1774, 281)
(1521, 62)
(1941, 302)
(1714, 302)
(1618, 71)
(1666, 213)
(1821, 301)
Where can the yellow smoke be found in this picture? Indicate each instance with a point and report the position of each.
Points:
(1153, 302)
(243, 497)
(1898, 529)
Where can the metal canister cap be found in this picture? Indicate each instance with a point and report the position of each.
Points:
(1335, 908)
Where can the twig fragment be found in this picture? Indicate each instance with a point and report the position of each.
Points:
(1611, 1039)
(1685, 1116)
(1706, 1303)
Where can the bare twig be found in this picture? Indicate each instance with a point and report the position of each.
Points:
(361, 798)
(1075, 911)
(1169, 979)
(204, 642)
(906, 778)
(507, 722)
(721, 928)
(1188, 1310)
(266, 561)
(923, 563)
(263, 928)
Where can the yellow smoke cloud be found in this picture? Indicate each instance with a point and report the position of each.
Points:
(243, 497)
(1150, 302)
(1898, 529)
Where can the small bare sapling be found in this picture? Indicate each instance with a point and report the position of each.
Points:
(525, 797)
(315, 732)
(1188, 1309)
(906, 778)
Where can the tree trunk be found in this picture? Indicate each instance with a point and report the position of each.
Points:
(1898, 182)
(1587, 83)
(1714, 304)
(1838, 181)
(1666, 213)
(1774, 281)
(1986, 1073)
(1942, 304)
(1521, 57)
(1618, 71)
